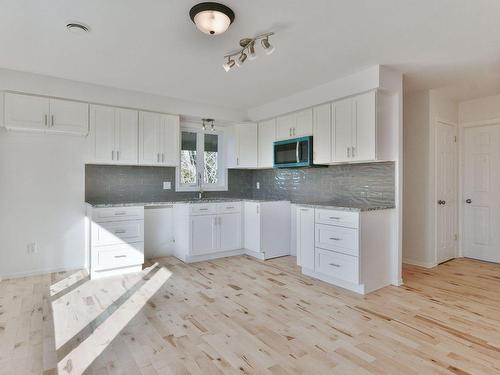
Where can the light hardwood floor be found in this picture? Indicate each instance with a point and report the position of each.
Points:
(239, 315)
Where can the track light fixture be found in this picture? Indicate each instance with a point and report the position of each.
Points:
(247, 50)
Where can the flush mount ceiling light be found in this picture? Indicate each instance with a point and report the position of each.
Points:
(209, 121)
(247, 50)
(77, 28)
(211, 18)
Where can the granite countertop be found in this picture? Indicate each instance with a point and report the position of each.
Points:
(354, 206)
(348, 206)
(184, 201)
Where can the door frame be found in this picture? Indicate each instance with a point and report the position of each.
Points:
(461, 173)
(435, 188)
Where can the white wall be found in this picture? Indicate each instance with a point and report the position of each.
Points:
(42, 176)
(422, 112)
(479, 110)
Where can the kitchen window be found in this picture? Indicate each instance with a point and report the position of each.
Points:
(202, 164)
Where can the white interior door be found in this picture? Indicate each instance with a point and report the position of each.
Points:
(482, 193)
(446, 192)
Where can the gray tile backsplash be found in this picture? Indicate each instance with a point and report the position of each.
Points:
(370, 182)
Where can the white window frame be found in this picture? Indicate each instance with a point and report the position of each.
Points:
(200, 162)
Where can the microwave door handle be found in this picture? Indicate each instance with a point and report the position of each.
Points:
(297, 151)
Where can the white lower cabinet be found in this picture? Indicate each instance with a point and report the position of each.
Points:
(353, 250)
(207, 230)
(116, 239)
(267, 229)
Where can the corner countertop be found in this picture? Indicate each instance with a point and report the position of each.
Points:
(341, 205)
(349, 206)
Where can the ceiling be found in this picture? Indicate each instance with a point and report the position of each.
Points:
(152, 45)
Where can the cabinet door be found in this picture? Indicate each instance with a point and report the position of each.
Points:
(304, 123)
(102, 123)
(267, 135)
(69, 117)
(169, 140)
(322, 134)
(252, 226)
(203, 234)
(364, 127)
(149, 138)
(284, 126)
(229, 231)
(126, 136)
(26, 112)
(305, 237)
(231, 146)
(247, 146)
(342, 134)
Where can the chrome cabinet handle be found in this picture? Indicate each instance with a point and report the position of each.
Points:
(203, 209)
(121, 213)
(117, 155)
(157, 157)
(162, 157)
(257, 208)
(52, 120)
(120, 231)
(229, 207)
(304, 209)
(335, 238)
(237, 161)
(352, 151)
(120, 256)
(46, 120)
(334, 264)
(334, 217)
(290, 132)
(348, 152)
(113, 155)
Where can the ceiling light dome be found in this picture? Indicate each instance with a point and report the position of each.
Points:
(211, 18)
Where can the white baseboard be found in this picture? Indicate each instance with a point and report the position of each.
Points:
(44, 271)
(419, 263)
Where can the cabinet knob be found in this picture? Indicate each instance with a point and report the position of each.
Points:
(469, 201)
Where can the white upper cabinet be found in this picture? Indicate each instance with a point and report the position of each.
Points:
(285, 126)
(114, 135)
(364, 127)
(26, 112)
(322, 134)
(158, 139)
(241, 146)
(126, 136)
(294, 125)
(68, 117)
(342, 130)
(35, 113)
(303, 123)
(267, 135)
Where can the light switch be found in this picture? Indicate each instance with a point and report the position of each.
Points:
(257, 185)
(167, 185)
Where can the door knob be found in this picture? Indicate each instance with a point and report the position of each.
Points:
(468, 201)
(441, 202)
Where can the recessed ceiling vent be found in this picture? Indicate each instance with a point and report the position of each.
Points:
(77, 28)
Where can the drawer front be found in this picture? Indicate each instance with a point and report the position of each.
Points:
(101, 215)
(342, 218)
(120, 232)
(203, 208)
(230, 207)
(110, 257)
(340, 266)
(341, 239)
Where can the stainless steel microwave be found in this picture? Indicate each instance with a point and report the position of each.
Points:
(293, 153)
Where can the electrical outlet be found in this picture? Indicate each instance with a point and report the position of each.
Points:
(167, 185)
(257, 185)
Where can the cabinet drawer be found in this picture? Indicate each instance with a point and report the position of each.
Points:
(203, 208)
(121, 232)
(341, 239)
(342, 218)
(110, 257)
(100, 215)
(337, 265)
(229, 207)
